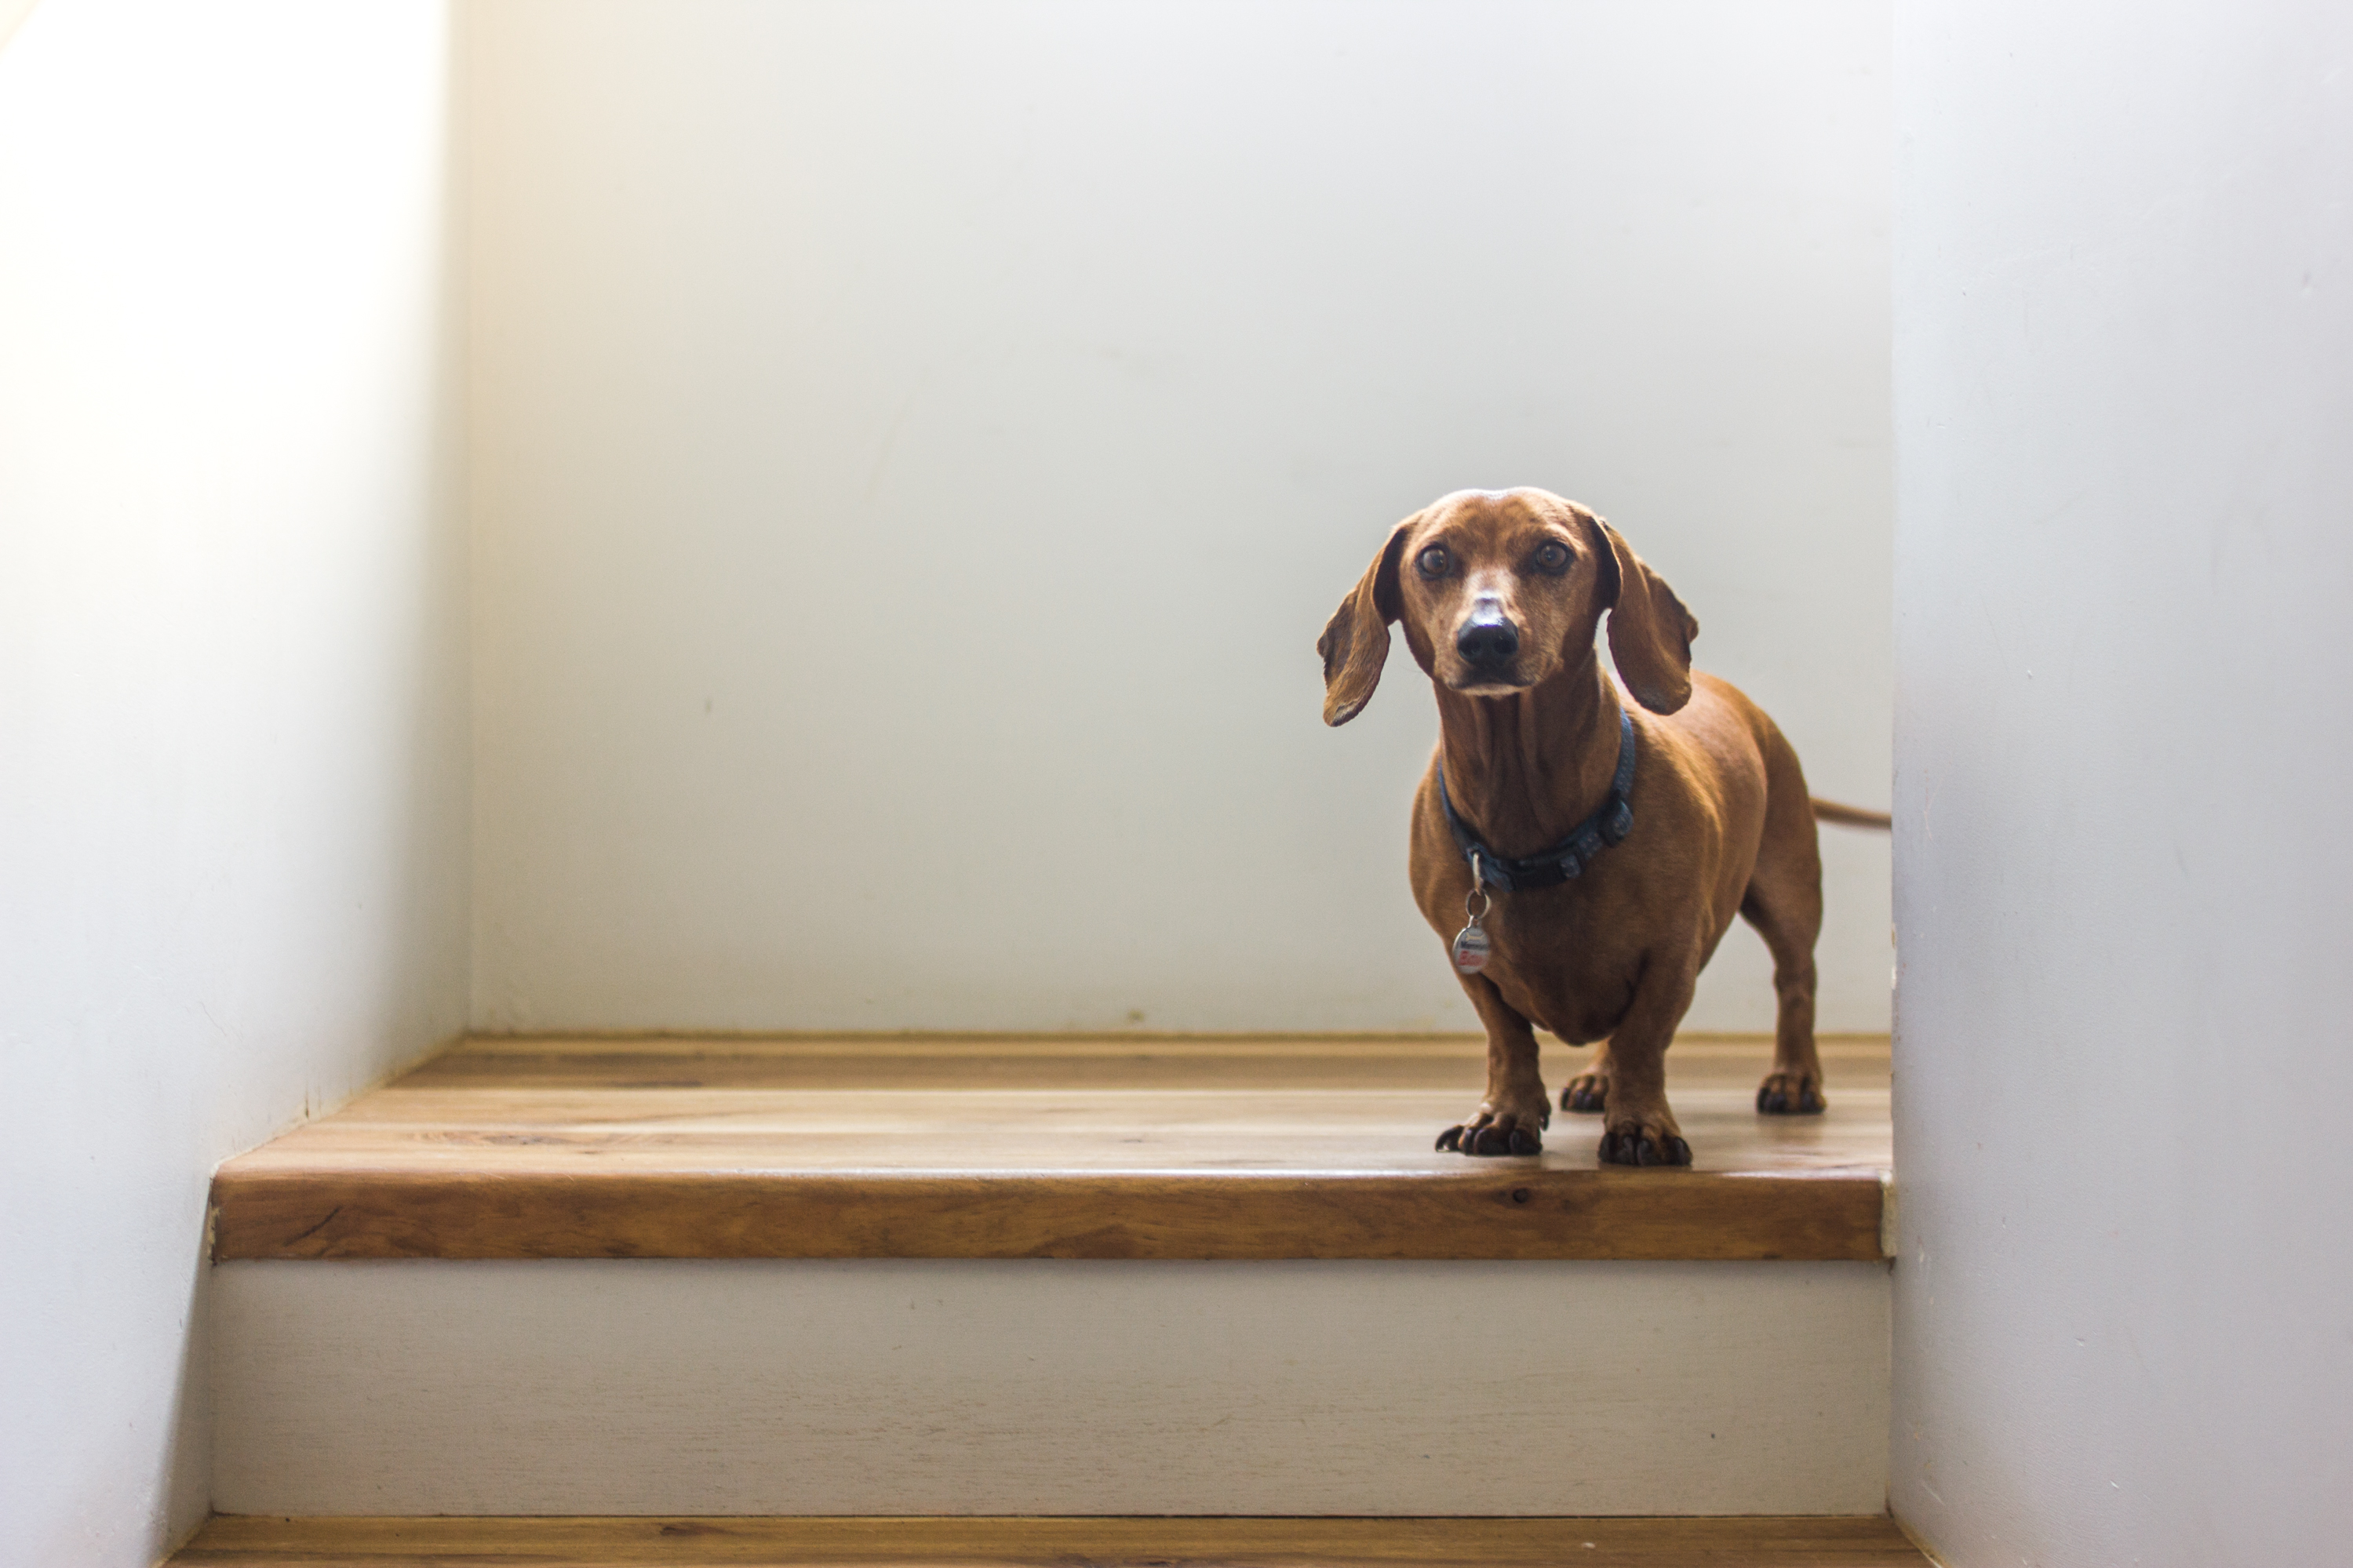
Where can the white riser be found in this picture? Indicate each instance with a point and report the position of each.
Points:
(925, 1387)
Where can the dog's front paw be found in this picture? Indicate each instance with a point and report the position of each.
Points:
(1790, 1094)
(1588, 1091)
(1643, 1142)
(1496, 1133)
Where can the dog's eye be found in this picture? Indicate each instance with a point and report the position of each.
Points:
(1434, 561)
(1552, 556)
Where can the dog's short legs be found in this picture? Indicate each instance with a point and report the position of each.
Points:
(1784, 902)
(1794, 1087)
(1590, 1090)
(1512, 1119)
(1638, 1128)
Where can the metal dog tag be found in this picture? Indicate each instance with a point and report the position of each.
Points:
(1470, 944)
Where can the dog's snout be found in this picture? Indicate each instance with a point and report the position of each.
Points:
(1488, 640)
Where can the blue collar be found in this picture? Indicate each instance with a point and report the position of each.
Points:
(1550, 867)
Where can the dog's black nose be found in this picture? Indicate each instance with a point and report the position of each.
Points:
(1487, 640)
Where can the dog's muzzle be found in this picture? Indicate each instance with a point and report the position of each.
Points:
(1488, 641)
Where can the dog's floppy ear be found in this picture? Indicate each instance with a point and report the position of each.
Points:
(1355, 640)
(1650, 630)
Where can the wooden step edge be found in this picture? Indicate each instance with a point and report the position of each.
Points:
(246, 1541)
(1509, 1213)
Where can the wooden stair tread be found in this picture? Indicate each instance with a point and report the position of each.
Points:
(1040, 1147)
(1805, 1543)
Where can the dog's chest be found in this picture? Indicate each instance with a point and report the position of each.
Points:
(1561, 973)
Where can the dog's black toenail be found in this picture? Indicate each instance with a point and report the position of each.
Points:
(1524, 1143)
(1646, 1152)
(1450, 1138)
(1678, 1151)
(1809, 1103)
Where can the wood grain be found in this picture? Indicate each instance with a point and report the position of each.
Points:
(1834, 1542)
(1031, 1147)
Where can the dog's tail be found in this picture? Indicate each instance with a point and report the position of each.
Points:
(1849, 816)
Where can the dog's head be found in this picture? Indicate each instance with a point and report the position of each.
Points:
(1501, 591)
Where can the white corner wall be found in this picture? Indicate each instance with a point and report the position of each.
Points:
(2124, 458)
(233, 736)
(916, 443)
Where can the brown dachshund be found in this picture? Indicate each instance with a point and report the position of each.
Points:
(1613, 843)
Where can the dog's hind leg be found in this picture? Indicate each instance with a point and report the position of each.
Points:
(1784, 902)
(1590, 1090)
(1512, 1119)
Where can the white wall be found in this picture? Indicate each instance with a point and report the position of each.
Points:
(12, 12)
(915, 446)
(2124, 418)
(232, 701)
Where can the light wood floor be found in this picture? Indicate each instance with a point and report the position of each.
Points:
(230, 1542)
(1041, 1146)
